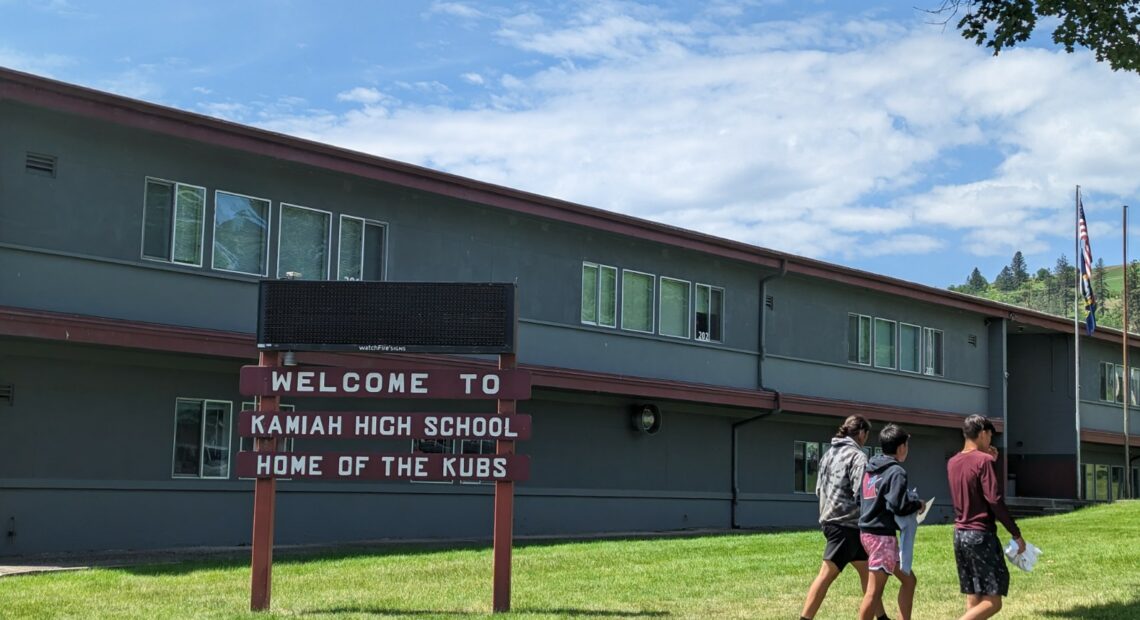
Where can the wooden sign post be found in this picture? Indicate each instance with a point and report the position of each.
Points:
(371, 316)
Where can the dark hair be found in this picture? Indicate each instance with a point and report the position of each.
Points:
(974, 425)
(891, 437)
(852, 426)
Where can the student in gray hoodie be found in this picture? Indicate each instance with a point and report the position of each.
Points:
(884, 496)
(840, 478)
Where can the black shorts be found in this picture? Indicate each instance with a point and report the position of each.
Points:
(981, 563)
(843, 545)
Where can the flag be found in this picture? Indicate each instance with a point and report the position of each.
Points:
(1084, 268)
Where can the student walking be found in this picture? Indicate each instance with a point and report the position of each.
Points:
(884, 496)
(978, 502)
(838, 484)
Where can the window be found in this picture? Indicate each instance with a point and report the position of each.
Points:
(910, 348)
(361, 255)
(1117, 488)
(1112, 383)
(173, 221)
(303, 242)
(884, 343)
(806, 455)
(599, 295)
(675, 309)
(875, 451)
(245, 444)
(241, 234)
(709, 314)
(202, 438)
(637, 301)
(859, 339)
(932, 351)
(1096, 482)
(449, 446)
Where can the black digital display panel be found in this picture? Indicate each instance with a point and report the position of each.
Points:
(387, 317)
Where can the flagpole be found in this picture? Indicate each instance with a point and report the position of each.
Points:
(1077, 334)
(1127, 490)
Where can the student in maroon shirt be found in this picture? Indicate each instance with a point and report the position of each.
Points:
(978, 502)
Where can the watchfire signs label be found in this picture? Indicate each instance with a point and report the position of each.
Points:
(371, 383)
(380, 466)
(356, 425)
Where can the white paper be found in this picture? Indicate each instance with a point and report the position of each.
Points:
(925, 510)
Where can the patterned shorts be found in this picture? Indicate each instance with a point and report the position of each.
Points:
(981, 563)
(882, 552)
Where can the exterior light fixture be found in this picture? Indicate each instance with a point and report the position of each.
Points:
(646, 419)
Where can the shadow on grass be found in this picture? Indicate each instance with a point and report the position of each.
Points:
(556, 611)
(180, 562)
(1118, 610)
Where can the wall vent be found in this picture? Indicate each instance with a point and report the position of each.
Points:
(770, 302)
(8, 394)
(43, 165)
(972, 339)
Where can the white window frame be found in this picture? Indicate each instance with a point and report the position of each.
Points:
(927, 367)
(688, 309)
(708, 337)
(875, 343)
(920, 341)
(174, 224)
(268, 232)
(870, 338)
(598, 295)
(202, 439)
(652, 299)
(281, 227)
(365, 222)
(412, 450)
(821, 447)
(459, 450)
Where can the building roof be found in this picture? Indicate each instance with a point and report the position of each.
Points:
(51, 94)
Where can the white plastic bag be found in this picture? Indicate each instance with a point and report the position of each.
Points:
(1025, 561)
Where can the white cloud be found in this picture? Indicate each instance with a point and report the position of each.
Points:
(456, 9)
(822, 137)
(360, 94)
(40, 64)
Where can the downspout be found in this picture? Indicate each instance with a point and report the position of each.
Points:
(762, 352)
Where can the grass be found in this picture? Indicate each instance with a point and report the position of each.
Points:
(1090, 569)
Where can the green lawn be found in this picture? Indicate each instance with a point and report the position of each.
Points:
(1090, 569)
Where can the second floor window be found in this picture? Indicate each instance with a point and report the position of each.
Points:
(884, 343)
(637, 301)
(910, 348)
(361, 255)
(709, 313)
(932, 351)
(303, 242)
(599, 295)
(173, 216)
(859, 339)
(674, 308)
(1112, 383)
(241, 234)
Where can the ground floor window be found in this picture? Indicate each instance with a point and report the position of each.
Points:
(202, 438)
(452, 446)
(1097, 485)
(806, 455)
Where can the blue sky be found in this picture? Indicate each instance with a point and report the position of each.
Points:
(871, 136)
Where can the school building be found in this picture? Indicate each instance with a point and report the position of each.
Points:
(133, 237)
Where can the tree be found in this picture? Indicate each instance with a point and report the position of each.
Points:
(1133, 301)
(1005, 280)
(977, 282)
(1107, 27)
(1061, 291)
(1020, 271)
(1100, 281)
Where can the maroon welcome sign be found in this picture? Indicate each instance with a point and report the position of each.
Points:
(390, 317)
